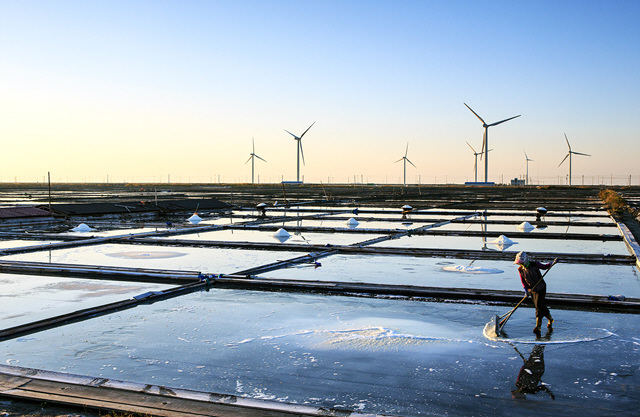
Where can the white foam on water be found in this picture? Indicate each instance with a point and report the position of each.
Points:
(145, 255)
(362, 337)
(471, 269)
(554, 339)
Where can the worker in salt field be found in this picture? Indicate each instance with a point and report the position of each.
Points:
(535, 286)
(528, 381)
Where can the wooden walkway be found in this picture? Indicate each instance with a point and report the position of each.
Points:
(154, 400)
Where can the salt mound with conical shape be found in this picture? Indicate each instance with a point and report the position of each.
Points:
(281, 235)
(502, 240)
(195, 219)
(407, 207)
(526, 226)
(352, 222)
(82, 228)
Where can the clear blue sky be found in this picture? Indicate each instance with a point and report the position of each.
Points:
(144, 90)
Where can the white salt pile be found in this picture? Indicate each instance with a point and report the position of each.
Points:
(281, 235)
(82, 228)
(352, 223)
(526, 226)
(195, 219)
(472, 269)
(502, 240)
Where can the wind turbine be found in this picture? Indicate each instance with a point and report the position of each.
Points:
(299, 148)
(252, 158)
(526, 179)
(569, 156)
(405, 163)
(485, 140)
(475, 164)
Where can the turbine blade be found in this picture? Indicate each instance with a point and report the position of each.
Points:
(260, 158)
(307, 130)
(484, 139)
(474, 151)
(301, 152)
(505, 120)
(578, 153)
(406, 152)
(291, 134)
(564, 159)
(411, 163)
(475, 114)
(399, 160)
(249, 159)
(565, 138)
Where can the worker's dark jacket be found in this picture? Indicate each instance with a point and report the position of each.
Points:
(530, 276)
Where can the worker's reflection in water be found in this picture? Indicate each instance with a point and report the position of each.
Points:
(528, 381)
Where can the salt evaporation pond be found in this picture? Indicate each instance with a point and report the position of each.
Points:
(506, 229)
(363, 224)
(102, 231)
(371, 355)
(406, 270)
(7, 244)
(263, 236)
(28, 298)
(210, 261)
(522, 244)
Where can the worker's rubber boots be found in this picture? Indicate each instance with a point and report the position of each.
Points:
(536, 329)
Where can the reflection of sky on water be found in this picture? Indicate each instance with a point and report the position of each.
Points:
(404, 270)
(206, 260)
(379, 356)
(509, 228)
(268, 237)
(4, 244)
(529, 245)
(27, 298)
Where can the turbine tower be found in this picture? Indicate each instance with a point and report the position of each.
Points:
(299, 148)
(569, 156)
(405, 163)
(485, 140)
(475, 164)
(252, 158)
(526, 179)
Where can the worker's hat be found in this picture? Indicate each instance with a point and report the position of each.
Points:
(521, 258)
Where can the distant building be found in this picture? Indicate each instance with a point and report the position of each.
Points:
(516, 181)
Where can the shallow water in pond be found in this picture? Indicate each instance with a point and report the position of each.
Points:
(378, 356)
(405, 270)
